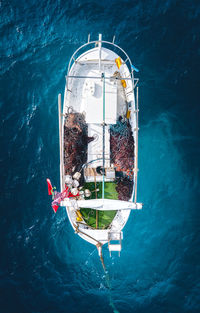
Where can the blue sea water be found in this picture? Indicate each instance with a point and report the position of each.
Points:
(44, 266)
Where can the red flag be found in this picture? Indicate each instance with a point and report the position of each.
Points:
(50, 188)
(60, 196)
(55, 207)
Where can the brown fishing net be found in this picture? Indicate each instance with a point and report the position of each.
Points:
(124, 188)
(121, 148)
(75, 143)
(122, 156)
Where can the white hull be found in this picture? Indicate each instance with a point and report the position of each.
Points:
(84, 95)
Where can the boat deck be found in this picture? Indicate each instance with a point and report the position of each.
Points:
(84, 95)
(88, 94)
(95, 147)
(100, 219)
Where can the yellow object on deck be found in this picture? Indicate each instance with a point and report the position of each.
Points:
(128, 114)
(79, 219)
(123, 83)
(118, 62)
(79, 216)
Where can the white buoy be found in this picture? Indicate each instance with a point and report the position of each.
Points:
(77, 175)
(68, 180)
(75, 183)
(81, 195)
(87, 193)
(74, 191)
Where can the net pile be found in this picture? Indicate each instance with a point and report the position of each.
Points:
(122, 148)
(122, 156)
(124, 189)
(75, 143)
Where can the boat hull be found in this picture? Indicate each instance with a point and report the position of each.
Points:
(83, 93)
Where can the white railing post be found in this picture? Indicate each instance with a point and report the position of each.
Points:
(136, 146)
(60, 141)
(100, 45)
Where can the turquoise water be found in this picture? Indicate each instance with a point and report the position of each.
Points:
(44, 266)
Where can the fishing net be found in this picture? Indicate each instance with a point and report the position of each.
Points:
(122, 148)
(122, 156)
(75, 143)
(124, 188)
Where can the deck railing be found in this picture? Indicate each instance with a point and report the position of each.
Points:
(60, 143)
(79, 51)
(136, 147)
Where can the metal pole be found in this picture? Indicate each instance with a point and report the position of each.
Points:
(136, 156)
(103, 76)
(95, 184)
(100, 77)
(60, 141)
(100, 44)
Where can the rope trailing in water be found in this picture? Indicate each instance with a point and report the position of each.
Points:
(99, 245)
(107, 277)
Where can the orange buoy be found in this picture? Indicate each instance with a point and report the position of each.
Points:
(128, 114)
(123, 83)
(118, 62)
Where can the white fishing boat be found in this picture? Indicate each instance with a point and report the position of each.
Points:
(98, 129)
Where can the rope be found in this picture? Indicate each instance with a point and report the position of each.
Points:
(85, 224)
(107, 277)
(99, 245)
(80, 231)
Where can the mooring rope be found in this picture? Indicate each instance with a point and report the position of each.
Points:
(107, 278)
